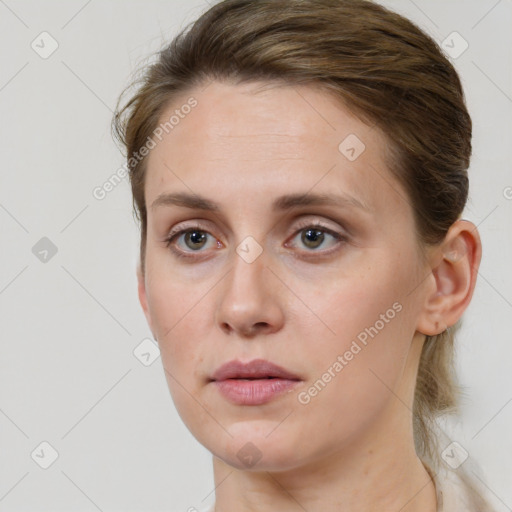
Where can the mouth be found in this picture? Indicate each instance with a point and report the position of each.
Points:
(257, 369)
(253, 383)
(252, 378)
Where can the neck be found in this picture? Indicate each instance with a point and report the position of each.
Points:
(381, 480)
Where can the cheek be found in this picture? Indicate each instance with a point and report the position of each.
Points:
(365, 321)
(368, 331)
(175, 311)
(371, 297)
(354, 372)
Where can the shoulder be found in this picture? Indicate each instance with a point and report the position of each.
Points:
(456, 489)
(206, 508)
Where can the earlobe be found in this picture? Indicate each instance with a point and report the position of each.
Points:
(453, 276)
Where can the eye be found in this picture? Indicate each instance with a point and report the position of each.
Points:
(190, 239)
(196, 239)
(314, 236)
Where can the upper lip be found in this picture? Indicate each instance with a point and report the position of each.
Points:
(255, 369)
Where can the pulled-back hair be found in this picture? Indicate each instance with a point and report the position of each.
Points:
(381, 67)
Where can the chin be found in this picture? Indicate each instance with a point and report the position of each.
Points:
(257, 452)
(249, 458)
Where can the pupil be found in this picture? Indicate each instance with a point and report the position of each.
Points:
(196, 237)
(311, 236)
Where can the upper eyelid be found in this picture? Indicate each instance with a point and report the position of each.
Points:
(303, 224)
(300, 222)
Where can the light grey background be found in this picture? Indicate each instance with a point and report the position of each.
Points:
(70, 325)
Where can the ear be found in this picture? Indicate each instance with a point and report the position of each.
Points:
(141, 286)
(454, 268)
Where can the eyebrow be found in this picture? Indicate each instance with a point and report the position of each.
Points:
(282, 203)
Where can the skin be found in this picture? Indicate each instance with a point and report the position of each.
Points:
(351, 447)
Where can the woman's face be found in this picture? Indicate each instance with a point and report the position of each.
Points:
(331, 291)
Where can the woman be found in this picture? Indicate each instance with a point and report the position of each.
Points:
(299, 168)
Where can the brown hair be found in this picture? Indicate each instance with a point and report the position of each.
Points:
(383, 68)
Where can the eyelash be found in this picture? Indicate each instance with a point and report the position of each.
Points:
(308, 225)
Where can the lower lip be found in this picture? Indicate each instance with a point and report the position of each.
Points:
(253, 392)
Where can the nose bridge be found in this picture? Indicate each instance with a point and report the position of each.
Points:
(248, 298)
(249, 258)
(245, 282)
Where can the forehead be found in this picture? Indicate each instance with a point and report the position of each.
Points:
(268, 140)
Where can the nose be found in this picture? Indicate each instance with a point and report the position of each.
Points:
(250, 301)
